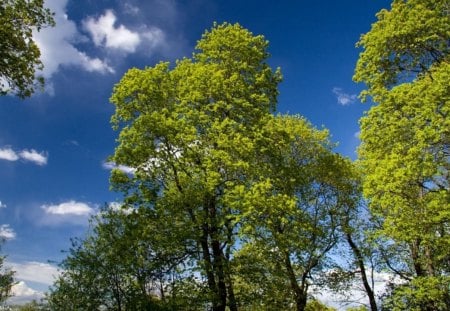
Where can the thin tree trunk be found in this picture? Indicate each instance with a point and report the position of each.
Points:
(360, 261)
(299, 295)
(207, 260)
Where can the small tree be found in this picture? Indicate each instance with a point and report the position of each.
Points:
(6, 281)
(120, 265)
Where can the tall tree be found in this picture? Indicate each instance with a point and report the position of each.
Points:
(189, 131)
(19, 54)
(406, 136)
(293, 206)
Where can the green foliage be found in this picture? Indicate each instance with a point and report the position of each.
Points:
(189, 131)
(291, 211)
(403, 45)
(259, 281)
(118, 265)
(6, 281)
(19, 54)
(316, 305)
(423, 293)
(405, 140)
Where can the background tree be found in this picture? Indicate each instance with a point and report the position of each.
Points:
(19, 54)
(6, 280)
(189, 133)
(118, 266)
(405, 137)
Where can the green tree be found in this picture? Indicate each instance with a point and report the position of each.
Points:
(117, 266)
(189, 131)
(405, 138)
(19, 54)
(292, 209)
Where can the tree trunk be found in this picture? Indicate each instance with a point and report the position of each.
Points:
(415, 251)
(360, 261)
(299, 294)
(207, 260)
(219, 273)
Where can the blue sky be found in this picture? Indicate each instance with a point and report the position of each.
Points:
(54, 146)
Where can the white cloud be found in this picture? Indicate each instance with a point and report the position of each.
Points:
(343, 98)
(7, 233)
(39, 158)
(8, 154)
(56, 44)
(37, 272)
(123, 168)
(2, 205)
(68, 208)
(23, 294)
(104, 33)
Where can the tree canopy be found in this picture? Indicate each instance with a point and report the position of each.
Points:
(19, 54)
(405, 137)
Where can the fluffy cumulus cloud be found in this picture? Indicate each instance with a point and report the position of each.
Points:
(343, 98)
(8, 154)
(38, 158)
(105, 33)
(7, 233)
(57, 44)
(22, 293)
(68, 208)
(40, 274)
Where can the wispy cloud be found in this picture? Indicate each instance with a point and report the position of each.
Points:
(105, 33)
(7, 233)
(343, 98)
(2, 205)
(38, 158)
(68, 208)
